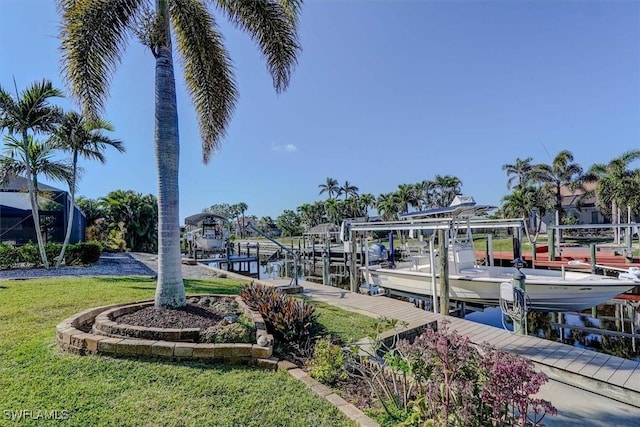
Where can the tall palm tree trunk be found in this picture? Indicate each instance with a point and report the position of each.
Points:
(170, 288)
(72, 191)
(33, 198)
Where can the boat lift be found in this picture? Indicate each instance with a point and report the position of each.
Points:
(296, 256)
(449, 225)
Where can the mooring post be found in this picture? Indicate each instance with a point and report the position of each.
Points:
(258, 258)
(520, 326)
(533, 254)
(551, 244)
(325, 267)
(353, 273)
(592, 254)
(444, 272)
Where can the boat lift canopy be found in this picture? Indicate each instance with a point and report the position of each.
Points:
(204, 217)
(438, 224)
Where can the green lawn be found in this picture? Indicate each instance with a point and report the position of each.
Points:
(34, 376)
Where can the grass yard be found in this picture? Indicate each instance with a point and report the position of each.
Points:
(92, 390)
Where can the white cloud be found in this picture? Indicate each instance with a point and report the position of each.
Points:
(288, 148)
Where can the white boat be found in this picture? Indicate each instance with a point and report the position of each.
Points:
(546, 290)
(206, 232)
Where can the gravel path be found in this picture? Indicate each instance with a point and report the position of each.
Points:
(112, 264)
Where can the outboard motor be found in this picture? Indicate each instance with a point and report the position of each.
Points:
(377, 253)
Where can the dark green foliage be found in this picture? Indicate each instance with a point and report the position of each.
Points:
(83, 253)
(292, 322)
(77, 254)
(8, 255)
(53, 251)
(29, 254)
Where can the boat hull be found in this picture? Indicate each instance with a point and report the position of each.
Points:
(208, 244)
(546, 292)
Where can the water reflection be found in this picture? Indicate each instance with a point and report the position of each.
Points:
(609, 328)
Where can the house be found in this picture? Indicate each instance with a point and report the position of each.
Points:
(16, 221)
(585, 209)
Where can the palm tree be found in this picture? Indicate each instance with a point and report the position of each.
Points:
(616, 184)
(348, 190)
(425, 193)
(407, 195)
(332, 209)
(561, 172)
(41, 158)
(30, 113)
(447, 187)
(519, 170)
(330, 187)
(368, 200)
(83, 138)
(94, 35)
(239, 209)
(389, 205)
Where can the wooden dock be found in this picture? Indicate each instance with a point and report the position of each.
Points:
(602, 374)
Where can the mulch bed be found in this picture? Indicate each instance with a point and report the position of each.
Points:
(191, 316)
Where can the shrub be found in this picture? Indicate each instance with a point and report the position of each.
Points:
(327, 364)
(83, 253)
(9, 255)
(237, 332)
(53, 251)
(252, 294)
(453, 383)
(30, 254)
(292, 322)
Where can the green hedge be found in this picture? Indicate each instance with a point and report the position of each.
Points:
(84, 253)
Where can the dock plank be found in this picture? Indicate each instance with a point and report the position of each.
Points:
(623, 373)
(608, 370)
(595, 364)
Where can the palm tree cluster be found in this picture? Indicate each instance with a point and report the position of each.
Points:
(538, 188)
(30, 114)
(423, 195)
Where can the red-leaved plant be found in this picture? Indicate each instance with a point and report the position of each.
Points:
(457, 384)
(511, 381)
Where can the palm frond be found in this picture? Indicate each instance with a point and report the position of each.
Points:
(93, 36)
(269, 24)
(292, 9)
(207, 70)
(31, 109)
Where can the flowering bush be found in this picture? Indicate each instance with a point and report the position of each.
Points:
(454, 383)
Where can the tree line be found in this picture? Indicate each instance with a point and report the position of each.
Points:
(535, 190)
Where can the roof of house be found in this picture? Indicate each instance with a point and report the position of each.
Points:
(323, 229)
(20, 184)
(570, 198)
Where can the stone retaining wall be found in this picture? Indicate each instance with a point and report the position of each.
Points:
(72, 339)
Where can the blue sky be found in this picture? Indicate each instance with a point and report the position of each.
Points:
(385, 93)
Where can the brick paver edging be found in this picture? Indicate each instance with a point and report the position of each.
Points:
(348, 409)
(106, 341)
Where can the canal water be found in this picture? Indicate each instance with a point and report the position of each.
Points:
(614, 330)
